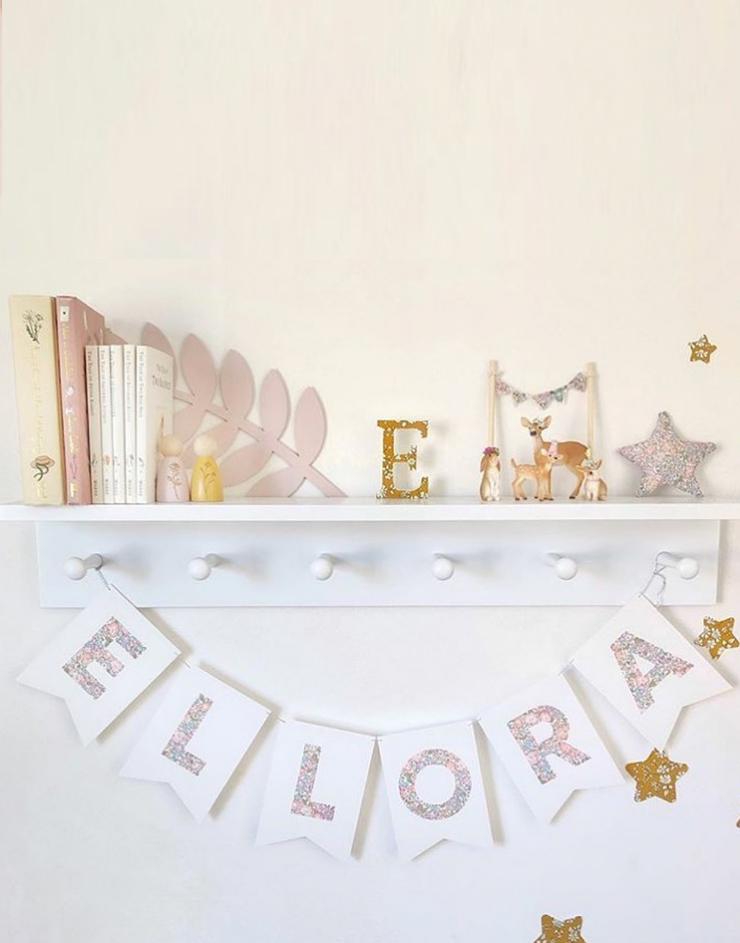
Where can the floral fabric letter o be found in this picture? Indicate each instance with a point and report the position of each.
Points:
(430, 810)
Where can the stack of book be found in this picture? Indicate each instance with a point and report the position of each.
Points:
(91, 408)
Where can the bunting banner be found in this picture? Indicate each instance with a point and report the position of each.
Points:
(647, 669)
(101, 662)
(196, 739)
(110, 653)
(559, 394)
(435, 788)
(549, 746)
(315, 787)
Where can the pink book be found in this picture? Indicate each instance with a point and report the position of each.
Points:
(77, 326)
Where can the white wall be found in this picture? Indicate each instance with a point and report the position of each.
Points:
(376, 198)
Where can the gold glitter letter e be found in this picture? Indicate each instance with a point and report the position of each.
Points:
(392, 458)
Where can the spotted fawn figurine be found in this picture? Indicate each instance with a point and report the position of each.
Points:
(539, 473)
(172, 478)
(594, 486)
(572, 454)
(205, 483)
(490, 466)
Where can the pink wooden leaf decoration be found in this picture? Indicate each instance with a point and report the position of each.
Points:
(237, 385)
(151, 336)
(237, 395)
(223, 434)
(279, 484)
(198, 370)
(274, 404)
(187, 422)
(309, 425)
(244, 463)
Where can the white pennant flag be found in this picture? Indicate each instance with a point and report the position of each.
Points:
(104, 658)
(315, 787)
(549, 746)
(435, 788)
(647, 669)
(196, 739)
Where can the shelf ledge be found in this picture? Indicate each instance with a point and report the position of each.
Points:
(370, 510)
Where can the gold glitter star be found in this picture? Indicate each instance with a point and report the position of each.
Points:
(560, 931)
(656, 776)
(718, 636)
(702, 349)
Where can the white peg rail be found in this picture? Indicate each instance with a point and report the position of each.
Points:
(363, 552)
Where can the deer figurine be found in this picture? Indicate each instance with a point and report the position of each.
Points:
(571, 454)
(490, 466)
(539, 473)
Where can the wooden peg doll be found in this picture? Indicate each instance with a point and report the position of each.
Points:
(172, 478)
(206, 484)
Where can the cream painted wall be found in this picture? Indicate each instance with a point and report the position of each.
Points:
(376, 198)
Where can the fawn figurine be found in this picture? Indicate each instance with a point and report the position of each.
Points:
(594, 486)
(490, 466)
(572, 454)
(539, 473)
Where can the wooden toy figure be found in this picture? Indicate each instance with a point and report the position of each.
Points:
(205, 483)
(172, 479)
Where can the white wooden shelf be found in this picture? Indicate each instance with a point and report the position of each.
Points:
(369, 510)
(438, 552)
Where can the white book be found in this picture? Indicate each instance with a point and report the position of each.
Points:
(92, 373)
(106, 422)
(154, 409)
(118, 452)
(129, 421)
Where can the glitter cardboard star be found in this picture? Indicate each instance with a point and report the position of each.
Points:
(702, 349)
(656, 776)
(667, 459)
(560, 931)
(718, 636)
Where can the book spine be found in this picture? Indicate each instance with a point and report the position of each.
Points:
(118, 452)
(71, 345)
(106, 423)
(142, 390)
(129, 421)
(33, 327)
(93, 423)
(77, 326)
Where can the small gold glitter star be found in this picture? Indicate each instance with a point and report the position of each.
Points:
(718, 636)
(560, 931)
(702, 349)
(656, 776)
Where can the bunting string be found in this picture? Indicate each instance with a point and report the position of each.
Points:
(558, 394)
